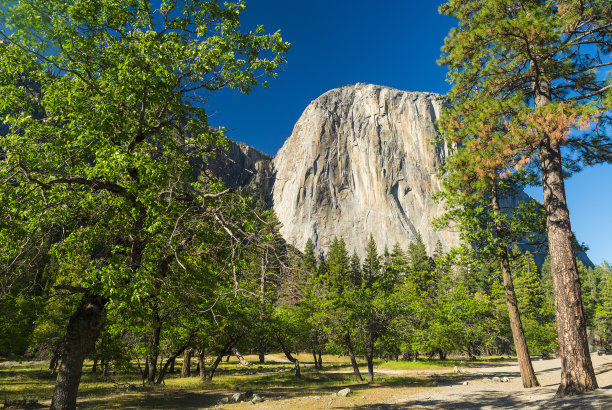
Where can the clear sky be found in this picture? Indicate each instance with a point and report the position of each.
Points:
(394, 43)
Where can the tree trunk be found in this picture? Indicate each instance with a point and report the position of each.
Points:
(528, 375)
(314, 356)
(370, 356)
(171, 360)
(577, 373)
(349, 346)
(171, 371)
(202, 363)
(104, 367)
(298, 372)
(81, 334)
(285, 350)
(241, 359)
(225, 350)
(186, 368)
(94, 366)
(262, 300)
(320, 360)
(154, 347)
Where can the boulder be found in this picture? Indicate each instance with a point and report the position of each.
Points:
(344, 392)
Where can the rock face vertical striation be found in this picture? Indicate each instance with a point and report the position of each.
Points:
(362, 160)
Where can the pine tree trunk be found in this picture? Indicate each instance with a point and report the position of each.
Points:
(528, 375)
(349, 347)
(577, 373)
(81, 334)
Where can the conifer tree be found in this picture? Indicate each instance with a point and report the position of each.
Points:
(371, 263)
(533, 68)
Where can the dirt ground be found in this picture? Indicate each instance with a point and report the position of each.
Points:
(448, 391)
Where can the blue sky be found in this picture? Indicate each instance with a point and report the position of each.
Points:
(394, 43)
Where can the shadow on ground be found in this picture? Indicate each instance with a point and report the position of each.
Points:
(599, 399)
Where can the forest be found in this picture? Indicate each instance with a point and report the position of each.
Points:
(121, 249)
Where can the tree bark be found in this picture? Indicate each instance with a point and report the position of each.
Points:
(320, 360)
(298, 372)
(577, 373)
(154, 347)
(285, 350)
(370, 356)
(186, 368)
(528, 376)
(81, 334)
(170, 361)
(224, 350)
(349, 347)
(314, 356)
(262, 313)
(241, 358)
(202, 364)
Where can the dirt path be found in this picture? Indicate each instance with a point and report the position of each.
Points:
(464, 390)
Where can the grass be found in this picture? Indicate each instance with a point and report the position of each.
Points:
(32, 381)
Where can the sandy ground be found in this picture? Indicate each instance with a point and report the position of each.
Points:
(451, 393)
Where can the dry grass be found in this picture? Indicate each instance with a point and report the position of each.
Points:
(32, 381)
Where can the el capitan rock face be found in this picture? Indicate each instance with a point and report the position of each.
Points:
(362, 159)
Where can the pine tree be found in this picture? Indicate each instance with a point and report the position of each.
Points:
(355, 269)
(524, 68)
(309, 261)
(371, 264)
(421, 267)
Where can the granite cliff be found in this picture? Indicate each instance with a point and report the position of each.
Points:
(362, 159)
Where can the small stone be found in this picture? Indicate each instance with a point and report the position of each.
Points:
(464, 383)
(334, 394)
(257, 399)
(505, 379)
(224, 400)
(236, 397)
(456, 369)
(316, 398)
(486, 380)
(434, 383)
(344, 392)
(496, 379)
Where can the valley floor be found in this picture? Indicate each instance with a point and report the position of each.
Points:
(399, 385)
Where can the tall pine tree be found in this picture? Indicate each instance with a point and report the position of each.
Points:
(538, 65)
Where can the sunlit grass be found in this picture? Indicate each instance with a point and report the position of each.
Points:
(33, 380)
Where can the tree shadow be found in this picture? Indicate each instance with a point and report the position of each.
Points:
(502, 400)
